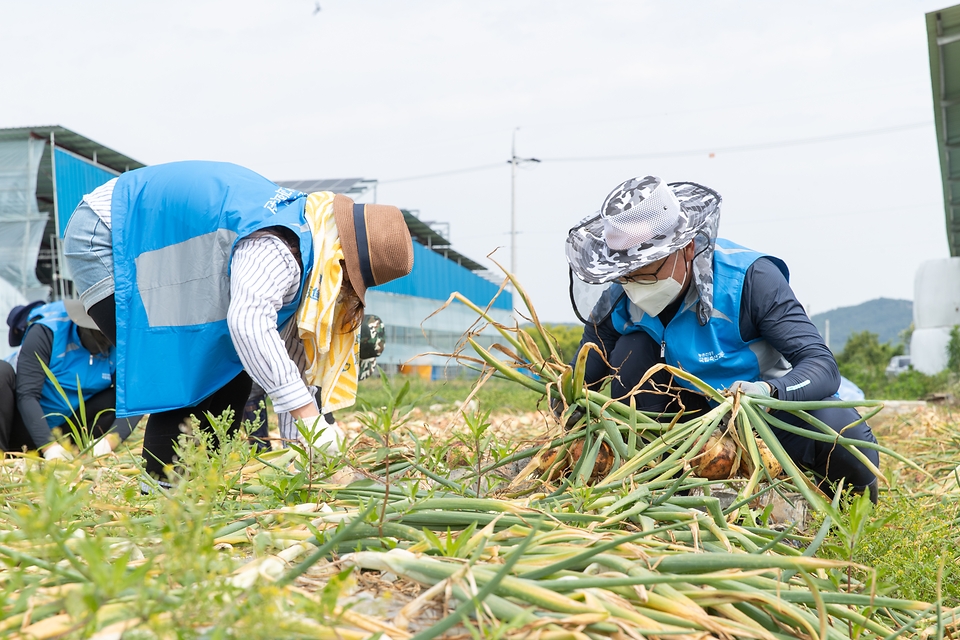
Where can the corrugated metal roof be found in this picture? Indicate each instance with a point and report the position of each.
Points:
(435, 278)
(78, 144)
(346, 186)
(430, 238)
(943, 38)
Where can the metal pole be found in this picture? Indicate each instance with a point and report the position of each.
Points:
(513, 203)
(24, 269)
(514, 162)
(59, 290)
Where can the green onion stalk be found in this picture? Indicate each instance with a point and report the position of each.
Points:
(645, 449)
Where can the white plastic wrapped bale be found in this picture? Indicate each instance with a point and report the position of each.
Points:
(22, 225)
(936, 294)
(928, 349)
(9, 298)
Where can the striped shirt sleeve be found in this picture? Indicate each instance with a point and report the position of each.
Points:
(264, 276)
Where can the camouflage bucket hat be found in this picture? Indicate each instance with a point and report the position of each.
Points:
(640, 222)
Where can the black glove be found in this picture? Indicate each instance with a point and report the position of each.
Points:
(575, 415)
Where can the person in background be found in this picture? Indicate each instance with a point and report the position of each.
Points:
(204, 272)
(63, 338)
(372, 342)
(679, 295)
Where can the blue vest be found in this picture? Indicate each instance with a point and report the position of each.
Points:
(714, 352)
(174, 229)
(75, 368)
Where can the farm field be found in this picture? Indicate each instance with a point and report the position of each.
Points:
(729, 218)
(276, 545)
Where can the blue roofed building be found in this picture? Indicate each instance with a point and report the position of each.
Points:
(406, 307)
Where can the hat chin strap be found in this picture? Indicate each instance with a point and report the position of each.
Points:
(687, 276)
(363, 247)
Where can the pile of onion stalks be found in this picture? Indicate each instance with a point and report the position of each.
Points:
(665, 566)
(631, 559)
(646, 448)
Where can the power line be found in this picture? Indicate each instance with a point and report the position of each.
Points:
(689, 152)
(482, 167)
(747, 147)
(838, 214)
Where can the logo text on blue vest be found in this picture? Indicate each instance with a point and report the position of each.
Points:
(709, 356)
(278, 197)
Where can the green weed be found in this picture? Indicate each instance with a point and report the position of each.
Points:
(905, 538)
(496, 395)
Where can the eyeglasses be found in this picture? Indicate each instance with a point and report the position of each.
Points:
(644, 278)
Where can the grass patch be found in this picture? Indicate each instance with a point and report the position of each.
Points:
(913, 536)
(915, 527)
(495, 395)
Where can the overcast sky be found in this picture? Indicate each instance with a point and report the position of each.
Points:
(600, 91)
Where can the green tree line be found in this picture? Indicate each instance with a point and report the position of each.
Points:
(864, 361)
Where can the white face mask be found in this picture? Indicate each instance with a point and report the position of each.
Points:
(653, 298)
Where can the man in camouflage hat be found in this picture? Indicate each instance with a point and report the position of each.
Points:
(674, 293)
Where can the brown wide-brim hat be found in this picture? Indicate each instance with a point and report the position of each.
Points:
(376, 243)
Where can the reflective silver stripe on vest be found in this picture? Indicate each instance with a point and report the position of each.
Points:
(187, 283)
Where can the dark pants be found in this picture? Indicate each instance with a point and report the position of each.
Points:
(14, 435)
(634, 352)
(164, 428)
(257, 417)
(8, 403)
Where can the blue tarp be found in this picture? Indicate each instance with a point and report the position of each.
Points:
(75, 178)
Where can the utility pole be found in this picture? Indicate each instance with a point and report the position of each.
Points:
(514, 161)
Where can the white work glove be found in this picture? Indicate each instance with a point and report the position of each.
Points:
(756, 389)
(56, 452)
(102, 447)
(329, 436)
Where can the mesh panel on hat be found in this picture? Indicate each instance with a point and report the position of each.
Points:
(654, 217)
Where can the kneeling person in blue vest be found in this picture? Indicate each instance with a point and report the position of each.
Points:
(205, 274)
(63, 338)
(677, 294)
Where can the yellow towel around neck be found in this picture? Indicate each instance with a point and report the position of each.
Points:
(331, 354)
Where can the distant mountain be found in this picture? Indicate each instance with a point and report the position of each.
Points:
(885, 317)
